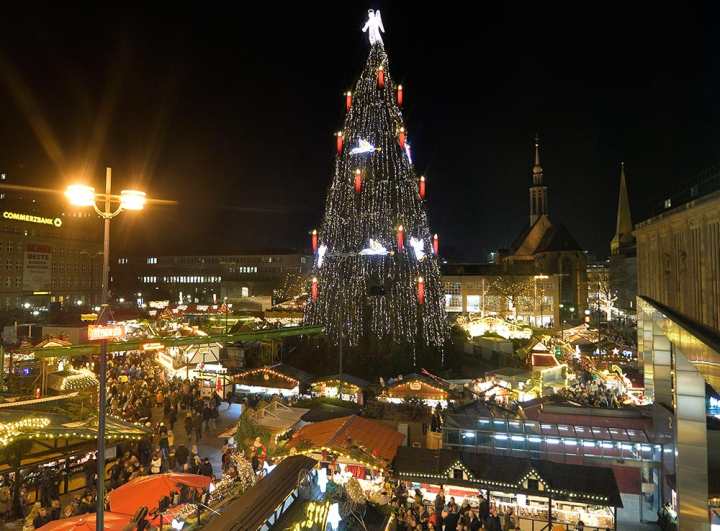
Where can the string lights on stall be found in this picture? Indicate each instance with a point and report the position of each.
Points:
(269, 372)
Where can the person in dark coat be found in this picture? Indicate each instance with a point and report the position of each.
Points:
(206, 468)
(483, 509)
(198, 425)
(172, 416)
(181, 456)
(493, 522)
(42, 518)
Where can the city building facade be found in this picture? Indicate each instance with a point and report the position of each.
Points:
(254, 279)
(48, 254)
(678, 254)
(492, 289)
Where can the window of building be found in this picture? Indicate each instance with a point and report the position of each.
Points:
(245, 291)
(473, 303)
(453, 297)
(668, 203)
(152, 260)
(122, 260)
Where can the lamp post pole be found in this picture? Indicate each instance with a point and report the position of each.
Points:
(84, 196)
(102, 394)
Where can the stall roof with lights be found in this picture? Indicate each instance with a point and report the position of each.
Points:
(346, 378)
(342, 434)
(561, 481)
(280, 375)
(55, 434)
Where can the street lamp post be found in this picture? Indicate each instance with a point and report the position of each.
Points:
(81, 195)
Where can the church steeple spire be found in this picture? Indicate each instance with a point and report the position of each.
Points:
(538, 192)
(537, 170)
(624, 228)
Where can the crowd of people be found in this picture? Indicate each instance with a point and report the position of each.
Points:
(138, 391)
(444, 514)
(592, 393)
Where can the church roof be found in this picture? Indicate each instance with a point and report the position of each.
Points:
(557, 238)
(527, 243)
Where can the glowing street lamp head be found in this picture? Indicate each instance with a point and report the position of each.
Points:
(80, 195)
(132, 200)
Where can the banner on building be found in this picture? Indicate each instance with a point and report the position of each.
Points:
(37, 268)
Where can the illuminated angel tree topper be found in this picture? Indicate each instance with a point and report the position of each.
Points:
(378, 276)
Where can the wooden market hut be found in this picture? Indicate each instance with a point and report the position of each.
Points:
(430, 390)
(540, 491)
(353, 388)
(43, 435)
(278, 379)
(357, 441)
(275, 417)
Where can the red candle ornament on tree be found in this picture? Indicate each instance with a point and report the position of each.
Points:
(314, 289)
(358, 181)
(339, 138)
(314, 240)
(421, 187)
(401, 137)
(421, 290)
(381, 77)
(400, 237)
(400, 95)
(348, 100)
(436, 245)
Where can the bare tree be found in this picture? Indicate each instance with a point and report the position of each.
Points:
(514, 290)
(606, 296)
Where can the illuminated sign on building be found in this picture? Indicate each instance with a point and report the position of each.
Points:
(17, 216)
(98, 332)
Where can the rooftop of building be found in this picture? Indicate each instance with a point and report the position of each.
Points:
(706, 187)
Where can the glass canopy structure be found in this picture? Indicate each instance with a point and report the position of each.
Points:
(537, 440)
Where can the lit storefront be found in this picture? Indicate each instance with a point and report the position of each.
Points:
(430, 391)
(536, 491)
(278, 379)
(351, 390)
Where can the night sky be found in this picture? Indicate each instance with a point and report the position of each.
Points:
(232, 112)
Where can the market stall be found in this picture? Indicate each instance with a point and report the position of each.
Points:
(429, 390)
(536, 491)
(274, 417)
(70, 379)
(279, 379)
(348, 447)
(345, 387)
(41, 439)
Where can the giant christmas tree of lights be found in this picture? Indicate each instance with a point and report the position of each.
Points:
(376, 266)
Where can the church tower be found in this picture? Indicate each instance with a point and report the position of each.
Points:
(623, 239)
(538, 192)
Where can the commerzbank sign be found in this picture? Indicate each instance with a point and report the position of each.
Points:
(18, 216)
